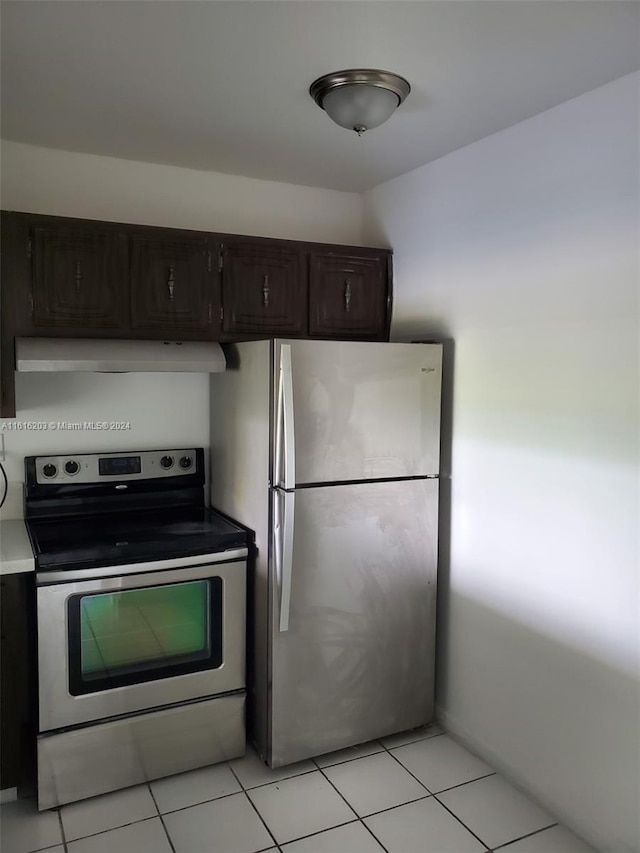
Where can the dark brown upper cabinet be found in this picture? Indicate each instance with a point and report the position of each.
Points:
(63, 277)
(263, 289)
(174, 285)
(79, 277)
(348, 296)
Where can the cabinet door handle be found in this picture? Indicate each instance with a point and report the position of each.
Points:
(78, 277)
(265, 291)
(347, 294)
(171, 282)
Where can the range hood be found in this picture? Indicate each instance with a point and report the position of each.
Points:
(44, 355)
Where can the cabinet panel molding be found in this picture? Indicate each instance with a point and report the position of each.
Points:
(348, 296)
(263, 289)
(173, 289)
(79, 278)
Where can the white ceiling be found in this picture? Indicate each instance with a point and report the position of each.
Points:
(223, 86)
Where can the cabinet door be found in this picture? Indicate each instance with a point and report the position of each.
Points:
(18, 725)
(263, 289)
(174, 286)
(79, 277)
(348, 296)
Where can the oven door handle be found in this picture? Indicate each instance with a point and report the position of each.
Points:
(284, 509)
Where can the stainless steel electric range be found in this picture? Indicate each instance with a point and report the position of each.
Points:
(141, 594)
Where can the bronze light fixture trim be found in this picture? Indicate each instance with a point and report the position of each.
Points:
(359, 98)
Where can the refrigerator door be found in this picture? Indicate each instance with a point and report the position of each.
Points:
(348, 411)
(352, 615)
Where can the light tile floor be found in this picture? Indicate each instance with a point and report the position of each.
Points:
(418, 792)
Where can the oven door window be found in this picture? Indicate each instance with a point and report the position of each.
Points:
(131, 636)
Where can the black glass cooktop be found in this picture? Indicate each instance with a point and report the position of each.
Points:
(118, 538)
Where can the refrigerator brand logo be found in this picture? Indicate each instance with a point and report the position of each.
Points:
(428, 369)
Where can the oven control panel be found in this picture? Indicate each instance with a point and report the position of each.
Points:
(120, 467)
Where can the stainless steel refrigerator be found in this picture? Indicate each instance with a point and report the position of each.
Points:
(329, 451)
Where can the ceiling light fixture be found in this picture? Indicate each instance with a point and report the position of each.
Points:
(360, 98)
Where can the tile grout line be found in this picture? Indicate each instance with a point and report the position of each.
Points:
(348, 760)
(62, 832)
(522, 837)
(193, 805)
(38, 849)
(102, 831)
(383, 748)
(462, 784)
(359, 819)
(161, 815)
(283, 779)
(357, 816)
(409, 742)
(435, 796)
(166, 831)
(442, 791)
(399, 806)
(198, 803)
(395, 758)
(428, 795)
(319, 832)
(461, 822)
(254, 807)
(488, 775)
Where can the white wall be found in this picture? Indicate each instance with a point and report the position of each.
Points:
(61, 183)
(163, 410)
(523, 249)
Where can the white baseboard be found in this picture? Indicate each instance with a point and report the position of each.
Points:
(485, 751)
(8, 795)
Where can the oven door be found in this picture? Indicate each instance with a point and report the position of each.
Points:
(139, 639)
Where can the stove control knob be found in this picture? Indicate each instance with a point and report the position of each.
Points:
(186, 462)
(166, 461)
(49, 470)
(71, 467)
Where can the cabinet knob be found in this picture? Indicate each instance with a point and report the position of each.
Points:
(171, 282)
(265, 291)
(347, 294)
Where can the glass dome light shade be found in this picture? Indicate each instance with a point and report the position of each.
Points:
(360, 106)
(359, 98)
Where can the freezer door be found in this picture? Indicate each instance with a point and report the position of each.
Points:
(353, 616)
(349, 411)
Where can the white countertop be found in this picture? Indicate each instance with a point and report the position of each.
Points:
(15, 549)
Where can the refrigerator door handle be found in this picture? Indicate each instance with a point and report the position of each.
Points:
(284, 506)
(287, 436)
(279, 431)
(277, 543)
